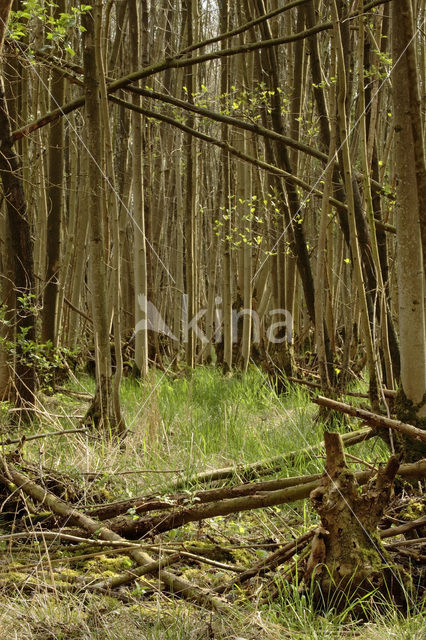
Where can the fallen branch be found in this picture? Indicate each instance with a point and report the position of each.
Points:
(418, 557)
(388, 393)
(24, 438)
(92, 475)
(145, 504)
(403, 528)
(43, 413)
(72, 393)
(134, 529)
(267, 564)
(58, 536)
(405, 543)
(51, 562)
(118, 581)
(265, 467)
(213, 563)
(373, 419)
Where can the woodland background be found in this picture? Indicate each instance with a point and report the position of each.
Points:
(221, 156)
(254, 171)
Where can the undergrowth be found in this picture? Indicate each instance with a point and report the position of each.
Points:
(178, 426)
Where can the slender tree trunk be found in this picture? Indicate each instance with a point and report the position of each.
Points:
(55, 199)
(344, 141)
(410, 268)
(189, 195)
(226, 204)
(320, 302)
(22, 245)
(101, 412)
(140, 264)
(7, 301)
(5, 8)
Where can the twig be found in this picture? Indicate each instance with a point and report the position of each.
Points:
(364, 462)
(41, 435)
(213, 563)
(77, 394)
(77, 310)
(125, 473)
(405, 543)
(58, 535)
(403, 528)
(44, 413)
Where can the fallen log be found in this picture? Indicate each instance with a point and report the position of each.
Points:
(178, 585)
(149, 526)
(144, 504)
(373, 419)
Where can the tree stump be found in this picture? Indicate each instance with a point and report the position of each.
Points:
(347, 560)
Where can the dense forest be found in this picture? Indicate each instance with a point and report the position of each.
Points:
(225, 196)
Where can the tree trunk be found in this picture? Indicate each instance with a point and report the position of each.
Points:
(140, 262)
(347, 559)
(101, 412)
(22, 245)
(411, 404)
(49, 326)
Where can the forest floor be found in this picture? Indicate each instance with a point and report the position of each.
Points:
(179, 425)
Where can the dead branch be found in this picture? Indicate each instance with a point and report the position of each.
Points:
(37, 436)
(118, 581)
(271, 562)
(72, 393)
(134, 529)
(388, 393)
(405, 543)
(403, 528)
(373, 419)
(265, 467)
(145, 504)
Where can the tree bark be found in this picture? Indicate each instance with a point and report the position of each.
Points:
(49, 328)
(139, 227)
(25, 378)
(347, 559)
(101, 412)
(411, 405)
